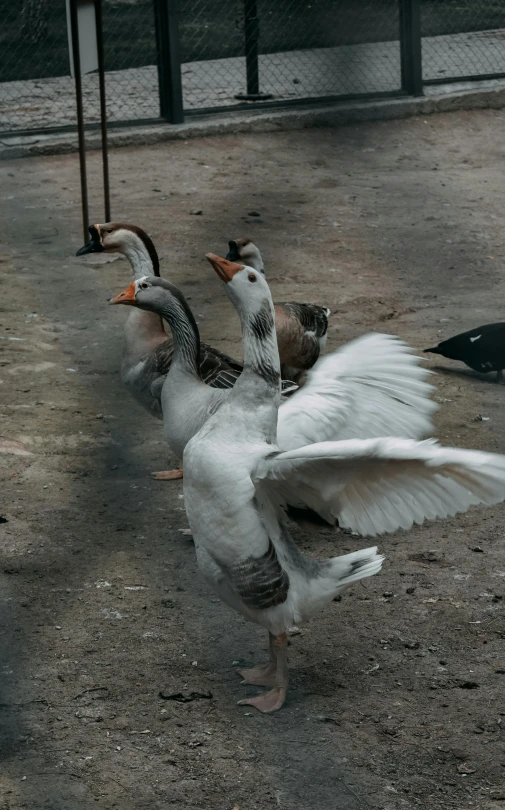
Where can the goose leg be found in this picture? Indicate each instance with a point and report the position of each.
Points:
(499, 376)
(273, 700)
(168, 475)
(262, 676)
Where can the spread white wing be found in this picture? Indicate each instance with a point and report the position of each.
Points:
(372, 387)
(379, 485)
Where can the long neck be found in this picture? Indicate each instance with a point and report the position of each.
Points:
(261, 355)
(143, 262)
(143, 329)
(185, 335)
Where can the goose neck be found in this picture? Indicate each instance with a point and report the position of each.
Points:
(185, 335)
(261, 354)
(141, 262)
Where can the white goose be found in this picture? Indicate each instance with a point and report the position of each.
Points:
(233, 467)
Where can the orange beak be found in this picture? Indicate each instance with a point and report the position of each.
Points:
(225, 269)
(125, 297)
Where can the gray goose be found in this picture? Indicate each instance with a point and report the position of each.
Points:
(147, 349)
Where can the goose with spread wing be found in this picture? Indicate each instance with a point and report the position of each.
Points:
(236, 477)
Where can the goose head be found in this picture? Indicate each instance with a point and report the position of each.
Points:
(130, 240)
(149, 292)
(244, 251)
(157, 295)
(246, 287)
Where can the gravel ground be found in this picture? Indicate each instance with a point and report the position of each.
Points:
(117, 687)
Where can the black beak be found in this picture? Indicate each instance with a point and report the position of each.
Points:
(94, 245)
(233, 254)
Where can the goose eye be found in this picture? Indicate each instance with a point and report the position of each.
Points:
(109, 230)
(251, 277)
(144, 285)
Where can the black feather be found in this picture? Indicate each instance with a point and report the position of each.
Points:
(262, 324)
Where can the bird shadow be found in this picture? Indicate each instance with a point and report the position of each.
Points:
(466, 373)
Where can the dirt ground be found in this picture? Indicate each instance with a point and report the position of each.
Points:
(397, 691)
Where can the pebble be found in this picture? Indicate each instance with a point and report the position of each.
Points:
(497, 793)
(433, 555)
(464, 768)
(196, 212)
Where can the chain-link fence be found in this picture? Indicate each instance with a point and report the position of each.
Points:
(463, 39)
(288, 49)
(36, 88)
(230, 52)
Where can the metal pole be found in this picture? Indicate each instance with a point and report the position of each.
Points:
(411, 47)
(103, 108)
(169, 61)
(74, 28)
(252, 35)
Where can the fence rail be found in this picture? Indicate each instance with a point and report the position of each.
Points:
(165, 59)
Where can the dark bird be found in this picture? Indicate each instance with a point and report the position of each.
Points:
(482, 349)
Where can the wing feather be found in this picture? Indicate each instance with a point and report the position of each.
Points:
(372, 387)
(375, 486)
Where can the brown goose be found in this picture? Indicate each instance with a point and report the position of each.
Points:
(302, 329)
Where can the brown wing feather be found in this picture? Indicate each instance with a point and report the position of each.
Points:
(261, 582)
(297, 349)
(218, 369)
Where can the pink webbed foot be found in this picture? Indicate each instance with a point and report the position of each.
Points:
(274, 674)
(167, 475)
(267, 702)
(259, 676)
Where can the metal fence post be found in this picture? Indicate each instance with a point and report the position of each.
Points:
(103, 108)
(74, 27)
(410, 47)
(169, 61)
(252, 35)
